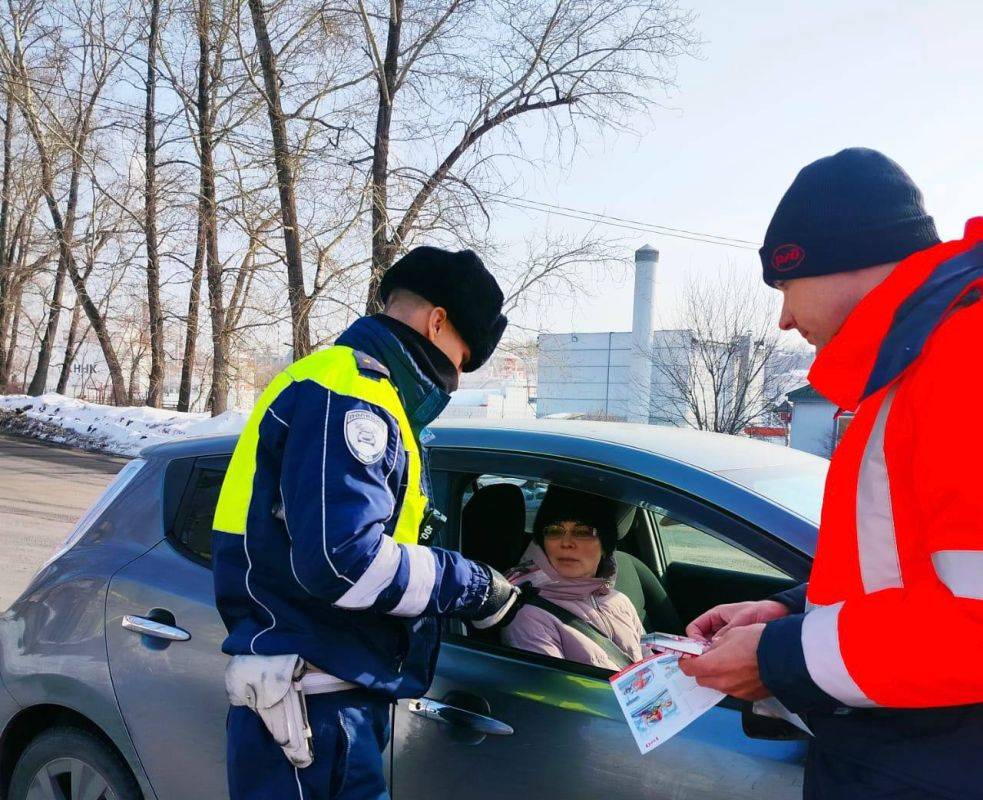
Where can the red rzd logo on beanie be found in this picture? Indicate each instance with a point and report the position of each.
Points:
(787, 256)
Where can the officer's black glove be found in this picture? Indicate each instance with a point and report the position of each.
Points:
(499, 606)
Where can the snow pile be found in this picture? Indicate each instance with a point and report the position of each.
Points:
(106, 429)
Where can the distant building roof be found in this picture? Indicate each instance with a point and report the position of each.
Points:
(763, 431)
(806, 394)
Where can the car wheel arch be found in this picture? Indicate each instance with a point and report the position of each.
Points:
(30, 722)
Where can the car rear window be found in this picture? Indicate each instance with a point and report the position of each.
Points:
(193, 526)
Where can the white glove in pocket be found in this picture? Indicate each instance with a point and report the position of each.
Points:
(270, 686)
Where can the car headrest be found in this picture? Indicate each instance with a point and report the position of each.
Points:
(626, 518)
(493, 525)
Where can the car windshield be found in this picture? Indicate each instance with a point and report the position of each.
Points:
(797, 487)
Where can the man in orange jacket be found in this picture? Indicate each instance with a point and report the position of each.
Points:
(882, 650)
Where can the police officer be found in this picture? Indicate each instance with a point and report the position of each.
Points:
(327, 594)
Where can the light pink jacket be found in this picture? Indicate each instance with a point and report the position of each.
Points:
(592, 599)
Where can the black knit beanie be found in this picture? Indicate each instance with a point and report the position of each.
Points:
(845, 212)
(563, 505)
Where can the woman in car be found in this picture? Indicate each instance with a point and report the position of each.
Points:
(570, 563)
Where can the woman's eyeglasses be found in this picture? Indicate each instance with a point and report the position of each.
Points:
(582, 533)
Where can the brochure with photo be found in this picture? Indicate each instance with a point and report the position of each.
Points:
(658, 700)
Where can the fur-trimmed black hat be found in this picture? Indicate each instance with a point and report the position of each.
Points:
(460, 284)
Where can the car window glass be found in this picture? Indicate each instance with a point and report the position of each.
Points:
(194, 524)
(686, 543)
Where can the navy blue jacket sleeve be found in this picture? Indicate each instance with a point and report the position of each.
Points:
(781, 660)
(794, 599)
(342, 481)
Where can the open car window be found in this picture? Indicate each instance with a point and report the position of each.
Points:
(484, 489)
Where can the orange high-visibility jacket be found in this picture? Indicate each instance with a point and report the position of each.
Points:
(894, 605)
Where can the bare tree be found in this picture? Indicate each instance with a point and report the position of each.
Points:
(92, 59)
(155, 384)
(301, 334)
(552, 267)
(470, 68)
(710, 374)
(20, 273)
(283, 152)
(5, 182)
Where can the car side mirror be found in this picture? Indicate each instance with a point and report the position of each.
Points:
(757, 726)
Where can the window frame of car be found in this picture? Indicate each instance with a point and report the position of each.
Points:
(180, 482)
(454, 468)
(469, 463)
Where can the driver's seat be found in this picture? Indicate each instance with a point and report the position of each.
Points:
(647, 594)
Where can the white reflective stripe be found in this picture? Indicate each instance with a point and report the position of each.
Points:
(961, 571)
(375, 579)
(423, 576)
(876, 542)
(810, 605)
(821, 647)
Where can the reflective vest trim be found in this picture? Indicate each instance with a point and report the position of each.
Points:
(337, 371)
(961, 571)
(877, 545)
(821, 648)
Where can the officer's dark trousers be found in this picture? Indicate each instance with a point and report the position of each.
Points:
(351, 729)
(894, 754)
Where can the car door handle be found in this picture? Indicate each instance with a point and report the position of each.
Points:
(452, 715)
(158, 630)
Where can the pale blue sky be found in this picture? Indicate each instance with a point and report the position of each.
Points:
(779, 85)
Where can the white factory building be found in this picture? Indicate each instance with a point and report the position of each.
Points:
(642, 375)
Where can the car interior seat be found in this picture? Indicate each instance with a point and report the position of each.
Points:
(493, 526)
(647, 594)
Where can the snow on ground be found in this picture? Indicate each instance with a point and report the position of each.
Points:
(106, 429)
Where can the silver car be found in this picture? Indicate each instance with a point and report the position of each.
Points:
(111, 676)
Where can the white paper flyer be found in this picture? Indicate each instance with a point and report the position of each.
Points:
(658, 700)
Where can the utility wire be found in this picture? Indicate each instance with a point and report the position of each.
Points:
(521, 203)
(643, 228)
(635, 223)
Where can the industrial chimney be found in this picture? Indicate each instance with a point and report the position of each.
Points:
(640, 371)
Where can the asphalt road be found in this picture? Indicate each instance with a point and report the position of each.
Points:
(43, 491)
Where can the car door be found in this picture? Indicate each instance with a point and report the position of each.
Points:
(500, 721)
(171, 691)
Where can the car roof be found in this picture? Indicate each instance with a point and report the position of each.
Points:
(710, 452)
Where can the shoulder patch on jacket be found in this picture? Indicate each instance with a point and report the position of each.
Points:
(370, 367)
(366, 435)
